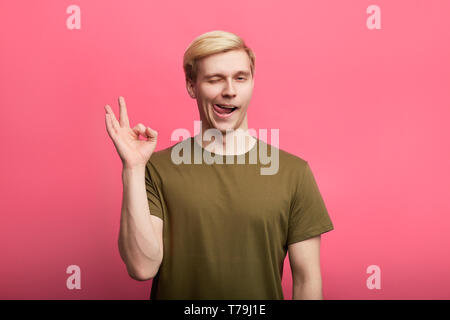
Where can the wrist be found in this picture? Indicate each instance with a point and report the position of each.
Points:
(133, 168)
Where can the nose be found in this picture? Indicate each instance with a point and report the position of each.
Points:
(229, 89)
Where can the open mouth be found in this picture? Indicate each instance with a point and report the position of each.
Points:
(224, 109)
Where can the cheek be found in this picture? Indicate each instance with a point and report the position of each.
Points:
(243, 110)
(248, 90)
(209, 92)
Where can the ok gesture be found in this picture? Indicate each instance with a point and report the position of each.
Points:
(133, 152)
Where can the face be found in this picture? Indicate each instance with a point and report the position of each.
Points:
(223, 79)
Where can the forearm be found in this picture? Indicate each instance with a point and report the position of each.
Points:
(138, 244)
(308, 289)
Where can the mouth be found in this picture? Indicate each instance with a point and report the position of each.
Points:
(224, 110)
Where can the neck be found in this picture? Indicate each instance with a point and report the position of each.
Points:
(233, 142)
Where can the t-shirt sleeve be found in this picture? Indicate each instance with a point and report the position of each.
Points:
(309, 216)
(153, 196)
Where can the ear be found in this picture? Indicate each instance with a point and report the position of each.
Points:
(190, 88)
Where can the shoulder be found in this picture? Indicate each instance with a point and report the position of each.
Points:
(162, 157)
(287, 159)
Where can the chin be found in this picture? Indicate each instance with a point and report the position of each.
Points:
(224, 129)
(223, 126)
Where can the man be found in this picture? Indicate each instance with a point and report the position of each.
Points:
(220, 230)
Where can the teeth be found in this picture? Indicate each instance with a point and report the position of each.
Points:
(226, 107)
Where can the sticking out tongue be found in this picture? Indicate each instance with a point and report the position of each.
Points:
(222, 110)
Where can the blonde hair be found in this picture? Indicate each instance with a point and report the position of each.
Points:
(210, 43)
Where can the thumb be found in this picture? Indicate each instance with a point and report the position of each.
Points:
(151, 134)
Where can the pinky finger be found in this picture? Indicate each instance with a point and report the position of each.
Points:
(109, 126)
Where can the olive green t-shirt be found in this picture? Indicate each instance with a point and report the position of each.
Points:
(227, 227)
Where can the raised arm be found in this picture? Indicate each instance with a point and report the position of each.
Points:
(140, 236)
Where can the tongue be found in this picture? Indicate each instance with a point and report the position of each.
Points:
(222, 110)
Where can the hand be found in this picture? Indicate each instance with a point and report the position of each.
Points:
(132, 151)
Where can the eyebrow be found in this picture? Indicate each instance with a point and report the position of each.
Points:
(244, 72)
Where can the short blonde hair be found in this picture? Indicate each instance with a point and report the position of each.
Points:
(210, 43)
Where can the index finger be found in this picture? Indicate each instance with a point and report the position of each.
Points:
(123, 116)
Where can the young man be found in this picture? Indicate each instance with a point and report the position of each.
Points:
(220, 230)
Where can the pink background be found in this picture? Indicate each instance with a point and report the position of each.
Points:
(367, 109)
